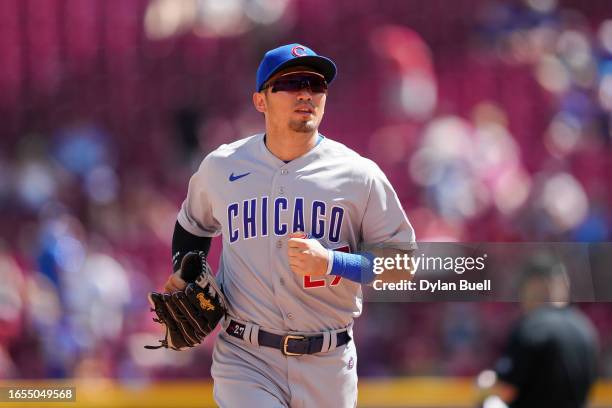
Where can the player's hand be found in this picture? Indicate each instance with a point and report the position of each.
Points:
(307, 256)
(175, 283)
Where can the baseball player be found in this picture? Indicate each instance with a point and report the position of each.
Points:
(299, 214)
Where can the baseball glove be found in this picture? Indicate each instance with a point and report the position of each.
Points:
(189, 315)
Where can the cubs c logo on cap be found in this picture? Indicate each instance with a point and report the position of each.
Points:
(298, 51)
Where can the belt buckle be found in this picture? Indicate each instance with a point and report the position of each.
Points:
(286, 343)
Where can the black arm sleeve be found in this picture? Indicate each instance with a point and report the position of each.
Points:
(184, 242)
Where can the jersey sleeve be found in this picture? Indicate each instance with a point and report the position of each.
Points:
(196, 214)
(385, 223)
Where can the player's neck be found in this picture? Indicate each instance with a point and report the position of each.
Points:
(288, 146)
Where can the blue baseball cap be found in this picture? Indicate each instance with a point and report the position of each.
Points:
(292, 55)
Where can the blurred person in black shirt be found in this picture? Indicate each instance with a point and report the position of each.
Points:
(550, 359)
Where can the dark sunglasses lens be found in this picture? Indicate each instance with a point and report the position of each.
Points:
(287, 85)
(316, 84)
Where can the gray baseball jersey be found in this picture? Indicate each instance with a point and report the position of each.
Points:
(255, 200)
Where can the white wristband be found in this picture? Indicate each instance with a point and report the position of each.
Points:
(330, 261)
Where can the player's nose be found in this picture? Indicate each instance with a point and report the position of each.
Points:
(304, 94)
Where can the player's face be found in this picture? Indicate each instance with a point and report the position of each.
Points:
(289, 105)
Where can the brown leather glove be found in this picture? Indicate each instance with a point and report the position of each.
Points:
(189, 315)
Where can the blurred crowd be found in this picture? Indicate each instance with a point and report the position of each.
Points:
(491, 119)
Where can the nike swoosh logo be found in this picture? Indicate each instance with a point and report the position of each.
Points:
(239, 176)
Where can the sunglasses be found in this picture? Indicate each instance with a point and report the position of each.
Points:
(295, 83)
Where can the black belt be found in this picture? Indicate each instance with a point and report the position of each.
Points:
(289, 345)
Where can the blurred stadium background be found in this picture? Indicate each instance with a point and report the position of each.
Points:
(490, 118)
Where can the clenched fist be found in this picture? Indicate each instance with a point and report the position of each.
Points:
(307, 256)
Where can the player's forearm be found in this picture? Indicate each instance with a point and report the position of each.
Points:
(184, 242)
(360, 267)
(357, 267)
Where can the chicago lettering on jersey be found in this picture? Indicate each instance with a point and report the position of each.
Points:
(280, 217)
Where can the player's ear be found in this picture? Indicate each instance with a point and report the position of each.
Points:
(259, 101)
